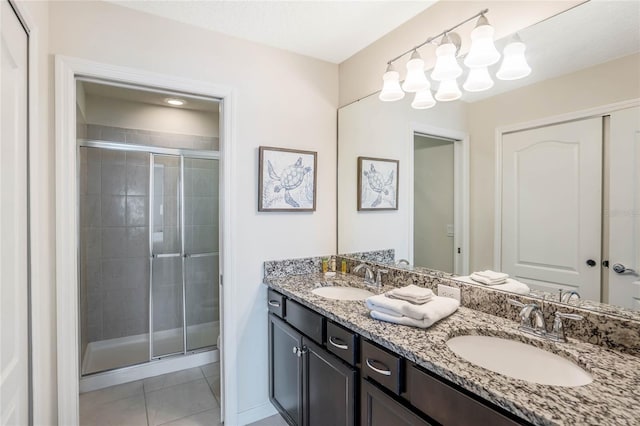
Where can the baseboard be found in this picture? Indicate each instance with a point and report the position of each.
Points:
(256, 413)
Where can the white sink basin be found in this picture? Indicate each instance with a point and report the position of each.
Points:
(519, 360)
(342, 293)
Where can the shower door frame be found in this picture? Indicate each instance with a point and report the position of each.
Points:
(181, 154)
(67, 70)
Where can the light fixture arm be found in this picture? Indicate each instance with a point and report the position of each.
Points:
(430, 39)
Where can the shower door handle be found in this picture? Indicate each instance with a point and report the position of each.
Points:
(164, 255)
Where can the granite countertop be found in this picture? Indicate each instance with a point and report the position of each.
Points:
(613, 398)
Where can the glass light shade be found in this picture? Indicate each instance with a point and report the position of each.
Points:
(423, 100)
(514, 64)
(391, 90)
(478, 80)
(416, 80)
(447, 67)
(482, 52)
(448, 91)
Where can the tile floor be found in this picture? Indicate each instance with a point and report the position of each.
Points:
(184, 398)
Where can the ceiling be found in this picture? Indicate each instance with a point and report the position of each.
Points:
(329, 30)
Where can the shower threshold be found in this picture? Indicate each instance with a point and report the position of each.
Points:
(105, 355)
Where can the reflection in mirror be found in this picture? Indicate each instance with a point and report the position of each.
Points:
(552, 168)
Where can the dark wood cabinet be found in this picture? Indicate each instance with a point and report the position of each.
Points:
(329, 388)
(285, 370)
(308, 385)
(379, 409)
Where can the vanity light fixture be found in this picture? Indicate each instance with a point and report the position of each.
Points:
(482, 54)
(175, 101)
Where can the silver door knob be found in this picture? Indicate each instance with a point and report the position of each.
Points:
(619, 268)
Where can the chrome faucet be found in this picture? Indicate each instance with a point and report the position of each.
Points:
(565, 296)
(402, 262)
(368, 273)
(532, 321)
(379, 273)
(531, 318)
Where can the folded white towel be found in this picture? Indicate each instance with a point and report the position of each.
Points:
(492, 275)
(411, 293)
(432, 312)
(384, 304)
(486, 281)
(509, 285)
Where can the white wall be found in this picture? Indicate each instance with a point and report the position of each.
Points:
(283, 99)
(433, 203)
(138, 115)
(372, 128)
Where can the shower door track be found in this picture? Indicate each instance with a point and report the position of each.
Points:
(119, 146)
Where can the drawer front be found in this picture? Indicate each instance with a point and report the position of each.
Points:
(342, 343)
(382, 366)
(305, 320)
(450, 406)
(275, 302)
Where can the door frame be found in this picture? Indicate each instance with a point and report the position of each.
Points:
(527, 125)
(66, 71)
(37, 272)
(461, 191)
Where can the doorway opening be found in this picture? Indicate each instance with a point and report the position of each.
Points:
(148, 237)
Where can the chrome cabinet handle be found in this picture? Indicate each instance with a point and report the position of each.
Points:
(619, 268)
(274, 303)
(377, 370)
(338, 345)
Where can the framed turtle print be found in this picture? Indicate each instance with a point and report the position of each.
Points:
(287, 180)
(377, 184)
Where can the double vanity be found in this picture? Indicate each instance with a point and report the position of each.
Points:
(331, 363)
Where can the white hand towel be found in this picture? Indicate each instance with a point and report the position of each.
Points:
(430, 309)
(492, 275)
(485, 280)
(411, 293)
(434, 311)
(510, 285)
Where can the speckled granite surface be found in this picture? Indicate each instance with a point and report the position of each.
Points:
(605, 327)
(612, 399)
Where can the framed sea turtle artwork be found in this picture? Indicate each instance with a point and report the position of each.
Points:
(377, 184)
(287, 180)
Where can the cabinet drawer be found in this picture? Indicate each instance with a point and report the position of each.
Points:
(382, 366)
(342, 343)
(275, 301)
(305, 320)
(448, 405)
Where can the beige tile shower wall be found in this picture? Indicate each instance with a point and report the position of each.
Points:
(361, 74)
(569, 93)
(138, 136)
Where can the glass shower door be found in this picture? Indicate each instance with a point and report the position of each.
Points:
(166, 257)
(201, 252)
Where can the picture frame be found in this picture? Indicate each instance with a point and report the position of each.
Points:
(377, 184)
(287, 180)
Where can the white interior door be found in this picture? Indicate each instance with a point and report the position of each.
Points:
(551, 206)
(14, 375)
(624, 209)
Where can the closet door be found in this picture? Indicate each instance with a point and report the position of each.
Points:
(624, 209)
(551, 206)
(14, 310)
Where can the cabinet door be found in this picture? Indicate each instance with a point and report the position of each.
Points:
(379, 409)
(329, 388)
(285, 370)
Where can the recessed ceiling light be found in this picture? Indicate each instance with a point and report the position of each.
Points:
(175, 101)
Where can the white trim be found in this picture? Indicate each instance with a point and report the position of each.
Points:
(541, 122)
(256, 413)
(66, 70)
(461, 189)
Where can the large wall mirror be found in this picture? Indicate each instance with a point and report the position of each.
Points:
(538, 178)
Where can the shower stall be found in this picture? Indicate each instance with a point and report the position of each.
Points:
(148, 253)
